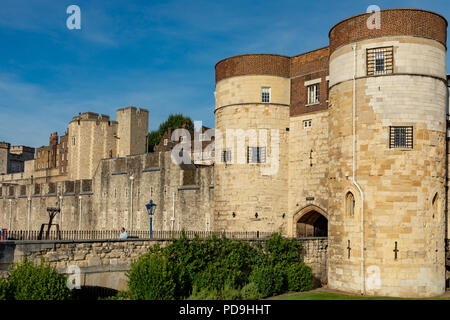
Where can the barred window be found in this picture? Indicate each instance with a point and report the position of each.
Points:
(265, 95)
(256, 154)
(380, 61)
(226, 156)
(307, 124)
(401, 137)
(313, 94)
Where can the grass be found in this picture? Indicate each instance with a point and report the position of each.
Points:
(321, 295)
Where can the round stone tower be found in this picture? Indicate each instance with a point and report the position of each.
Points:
(387, 134)
(252, 123)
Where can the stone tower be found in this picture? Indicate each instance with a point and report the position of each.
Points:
(4, 152)
(132, 131)
(92, 137)
(387, 133)
(252, 115)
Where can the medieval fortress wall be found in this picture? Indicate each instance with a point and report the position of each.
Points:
(347, 141)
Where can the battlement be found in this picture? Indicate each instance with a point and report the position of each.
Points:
(5, 145)
(132, 110)
(91, 116)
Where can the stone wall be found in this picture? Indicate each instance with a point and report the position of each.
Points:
(107, 202)
(403, 188)
(104, 263)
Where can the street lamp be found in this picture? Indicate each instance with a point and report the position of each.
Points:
(150, 210)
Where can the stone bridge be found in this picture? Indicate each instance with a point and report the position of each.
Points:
(103, 263)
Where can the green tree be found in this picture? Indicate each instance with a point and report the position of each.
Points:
(174, 121)
(28, 281)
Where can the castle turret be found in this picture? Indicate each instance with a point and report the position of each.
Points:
(387, 154)
(92, 137)
(252, 115)
(132, 131)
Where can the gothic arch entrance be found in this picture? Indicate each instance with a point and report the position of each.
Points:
(311, 221)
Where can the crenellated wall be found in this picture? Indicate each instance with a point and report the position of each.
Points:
(112, 200)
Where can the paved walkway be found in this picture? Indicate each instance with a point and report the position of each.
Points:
(327, 290)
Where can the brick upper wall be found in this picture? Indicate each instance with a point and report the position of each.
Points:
(413, 22)
(310, 62)
(250, 64)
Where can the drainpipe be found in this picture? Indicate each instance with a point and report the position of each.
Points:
(363, 289)
(131, 202)
(60, 212)
(29, 214)
(173, 212)
(81, 213)
(10, 214)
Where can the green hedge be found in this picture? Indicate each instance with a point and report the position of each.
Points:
(28, 281)
(218, 268)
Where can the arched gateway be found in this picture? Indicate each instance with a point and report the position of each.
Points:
(311, 221)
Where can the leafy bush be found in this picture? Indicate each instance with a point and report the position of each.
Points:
(5, 293)
(204, 294)
(231, 293)
(215, 267)
(268, 279)
(28, 281)
(250, 292)
(281, 251)
(299, 277)
(151, 278)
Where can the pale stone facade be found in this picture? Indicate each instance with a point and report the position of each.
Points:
(324, 163)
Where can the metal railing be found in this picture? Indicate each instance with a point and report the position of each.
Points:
(135, 234)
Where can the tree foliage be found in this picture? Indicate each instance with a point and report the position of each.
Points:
(174, 121)
(219, 268)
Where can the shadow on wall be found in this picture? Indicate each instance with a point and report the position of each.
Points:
(92, 293)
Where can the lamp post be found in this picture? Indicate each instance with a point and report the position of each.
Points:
(150, 210)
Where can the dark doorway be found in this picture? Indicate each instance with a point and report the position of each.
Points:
(312, 224)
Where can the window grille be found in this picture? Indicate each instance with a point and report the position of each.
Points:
(313, 94)
(265, 95)
(256, 154)
(226, 156)
(380, 61)
(401, 137)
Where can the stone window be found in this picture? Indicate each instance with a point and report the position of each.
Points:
(23, 190)
(37, 189)
(350, 204)
(86, 186)
(435, 205)
(307, 124)
(166, 141)
(226, 156)
(380, 61)
(188, 177)
(313, 94)
(400, 137)
(256, 154)
(265, 95)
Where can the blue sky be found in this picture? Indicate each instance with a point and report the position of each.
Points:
(158, 55)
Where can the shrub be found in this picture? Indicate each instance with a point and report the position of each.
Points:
(299, 277)
(204, 294)
(151, 278)
(4, 290)
(268, 279)
(250, 292)
(28, 281)
(231, 293)
(280, 251)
